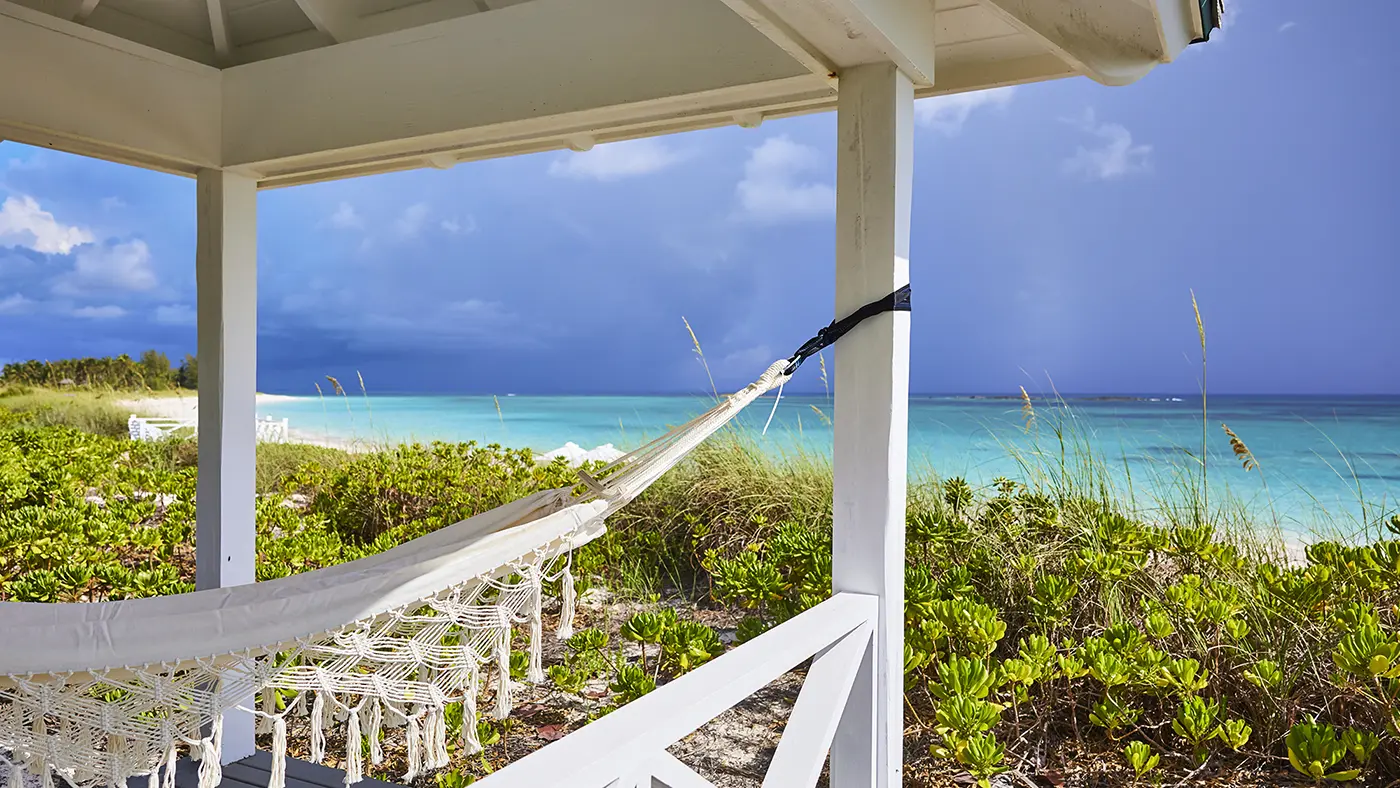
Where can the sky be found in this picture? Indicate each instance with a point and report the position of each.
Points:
(1059, 230)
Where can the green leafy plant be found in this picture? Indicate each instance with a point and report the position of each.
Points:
(631, 682)
(570, 680)
(1198, 721)
(688, 644)
(519, 665)
(1235, 733)
(984, 757)
(1141, 758)
(1313, 750)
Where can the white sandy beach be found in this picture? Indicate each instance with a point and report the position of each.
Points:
(186, 408)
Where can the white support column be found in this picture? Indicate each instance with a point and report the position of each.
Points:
(227, 281)
(874, 181)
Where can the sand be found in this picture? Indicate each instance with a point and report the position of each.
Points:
(186, 408)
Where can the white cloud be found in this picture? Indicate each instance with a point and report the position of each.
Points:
(345, 218)
(112, 203)
(773, 189)
(465, 227)
(121, 266)
(15, 305)
(24, 223)
(617, 160)
(1287, 26)
(175, 315)
(410, 222)
(948, 113)
(1114, 158)
(99, 312)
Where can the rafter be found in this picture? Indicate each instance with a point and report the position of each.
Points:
(826, 36)
(777, 30)
(85, 9)
(1115, 45)
(332, 17)
(218, 32)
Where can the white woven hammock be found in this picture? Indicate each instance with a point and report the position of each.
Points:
(99, 693)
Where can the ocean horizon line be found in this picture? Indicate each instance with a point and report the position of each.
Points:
(970, 395)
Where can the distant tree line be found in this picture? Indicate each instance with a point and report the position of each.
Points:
(152, 370)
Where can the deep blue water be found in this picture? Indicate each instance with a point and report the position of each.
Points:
(1320, 456)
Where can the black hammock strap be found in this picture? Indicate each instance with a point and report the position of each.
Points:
(898, 301)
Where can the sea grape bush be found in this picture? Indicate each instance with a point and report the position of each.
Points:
(1067, 617)
(89, 518)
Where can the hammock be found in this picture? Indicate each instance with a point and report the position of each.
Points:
(99, 693)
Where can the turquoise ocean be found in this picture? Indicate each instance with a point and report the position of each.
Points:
(1326, 461)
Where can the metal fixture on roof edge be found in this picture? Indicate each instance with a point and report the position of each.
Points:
(580, 143)
(749, 120)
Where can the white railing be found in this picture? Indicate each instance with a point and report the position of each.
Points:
(141, 428)
(148, 429)
(627, 748)
(272, 430)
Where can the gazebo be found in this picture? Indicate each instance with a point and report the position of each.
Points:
(255, 94)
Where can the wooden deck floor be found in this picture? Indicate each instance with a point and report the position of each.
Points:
(253, 772)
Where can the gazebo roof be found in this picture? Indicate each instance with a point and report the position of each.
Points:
(292, 91)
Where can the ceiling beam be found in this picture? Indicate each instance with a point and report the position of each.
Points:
(416, 15)
(218, 32)
(776, 29)
(105, 96)
(529, 63)
(826, 36)
(1114, 42)
(85, 9)
(335, 18)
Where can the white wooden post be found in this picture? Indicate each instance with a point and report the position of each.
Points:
(874, 181)
(227, 281)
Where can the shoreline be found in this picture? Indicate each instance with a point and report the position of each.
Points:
(186, 408)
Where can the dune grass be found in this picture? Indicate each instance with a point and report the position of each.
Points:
(90, 411)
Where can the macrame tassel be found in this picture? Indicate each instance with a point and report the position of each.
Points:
(376, 723)
(439, 739)
(269, 707)
(16, 776)
(536, 672)
(415, 749)
(354, 757)
(277, 777)
(172, 753)
(299, 705)
(38, 766)
(216, 735)
(318, 729)
(503, 702)
(210, 772)
(567, 600)
(471, 742)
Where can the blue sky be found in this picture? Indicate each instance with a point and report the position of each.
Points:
(1058, 231)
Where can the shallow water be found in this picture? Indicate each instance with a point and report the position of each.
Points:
(1320, 456)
